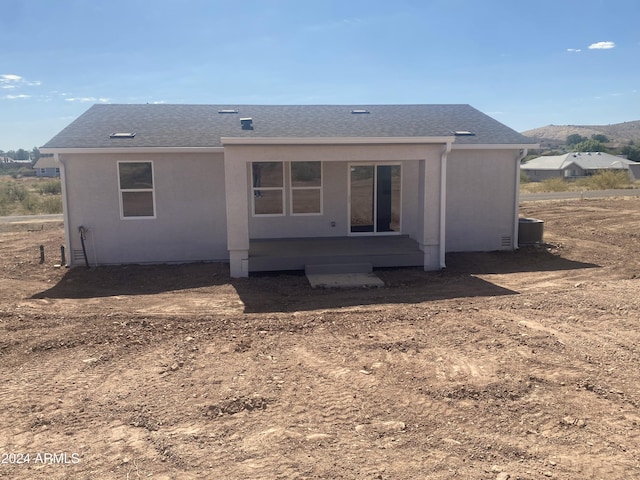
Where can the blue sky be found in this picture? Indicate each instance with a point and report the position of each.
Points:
(527, 64)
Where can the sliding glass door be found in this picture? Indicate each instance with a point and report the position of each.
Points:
(374, 199)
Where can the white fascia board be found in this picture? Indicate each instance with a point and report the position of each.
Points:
(133, 150)
(333, 140)
(524, 166)
(497, 146)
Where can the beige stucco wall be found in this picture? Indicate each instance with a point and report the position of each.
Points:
(541, 175)
(192, 208)
(481, 206)
(336, 160)
(190, 223)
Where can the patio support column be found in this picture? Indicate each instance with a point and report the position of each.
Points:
(65, 207)
(432, 193)
(443, 203)
(236, 191)
(516, 204)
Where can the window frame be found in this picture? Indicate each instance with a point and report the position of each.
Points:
(133, 190)
(292, 188)
(254, 189)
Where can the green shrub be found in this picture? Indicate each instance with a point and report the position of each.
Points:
(15, 192)
(524, 178)
(555, 184)
(4, 205)
(29, 203)
(23, 172)
(50, 205)
(51, 187)
(607, 180)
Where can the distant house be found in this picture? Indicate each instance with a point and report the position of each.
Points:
(573, 165)
(282, 187)
(47, 167)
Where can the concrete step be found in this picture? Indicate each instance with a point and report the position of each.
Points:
(344, 280)
(337, 268)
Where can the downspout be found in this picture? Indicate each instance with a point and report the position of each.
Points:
(443, 202)
(65, 208)
(516, 206)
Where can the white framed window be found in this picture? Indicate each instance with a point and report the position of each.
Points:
(306, 188)
(136, 188)
(267, 188)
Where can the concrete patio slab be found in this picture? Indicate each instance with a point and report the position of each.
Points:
(344, 280)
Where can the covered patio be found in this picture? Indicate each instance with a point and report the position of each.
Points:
(296, 253)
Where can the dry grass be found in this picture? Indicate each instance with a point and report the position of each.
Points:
(29, 195)
(607, 180)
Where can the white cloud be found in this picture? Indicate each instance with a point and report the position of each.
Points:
(7, 78)
(8, 81)
(87, 99)
(574, 50)
(15, 97)
(11, 81)
(602, 46)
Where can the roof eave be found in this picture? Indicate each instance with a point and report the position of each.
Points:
(334, 140)
(81, 150)
(494, 146)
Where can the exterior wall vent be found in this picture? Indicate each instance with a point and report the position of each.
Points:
(247, 123)
(505, 241)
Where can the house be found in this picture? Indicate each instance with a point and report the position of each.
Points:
(47, 166)
(573, 165)
(282, 187)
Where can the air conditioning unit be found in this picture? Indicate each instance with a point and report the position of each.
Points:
(530, 231)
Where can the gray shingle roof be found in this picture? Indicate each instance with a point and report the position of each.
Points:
(202, 125)
(46, 162)
(585, 160)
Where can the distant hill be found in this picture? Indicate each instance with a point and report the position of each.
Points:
(618, 133)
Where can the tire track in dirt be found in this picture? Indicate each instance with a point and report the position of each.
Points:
(56, 405)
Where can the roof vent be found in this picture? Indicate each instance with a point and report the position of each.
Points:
(464, 133)
(359, 111)
(230, 110)
(247, 123)
(122, 135)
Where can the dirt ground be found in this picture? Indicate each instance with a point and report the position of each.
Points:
(505, 365)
